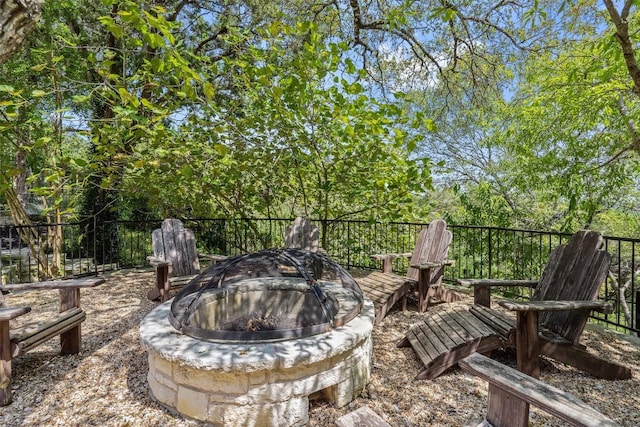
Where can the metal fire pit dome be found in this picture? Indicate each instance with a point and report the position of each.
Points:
(270, 295)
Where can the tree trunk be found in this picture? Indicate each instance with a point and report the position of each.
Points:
(28, 234)
(17, 17)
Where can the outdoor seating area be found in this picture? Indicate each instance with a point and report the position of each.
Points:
(319, 214)
(106, 383)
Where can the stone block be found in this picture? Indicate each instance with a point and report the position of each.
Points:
(270, 392)
(162, 393)
(294, 412)
(193, 403)
(164, 380)
(210, 380)
(157, 363)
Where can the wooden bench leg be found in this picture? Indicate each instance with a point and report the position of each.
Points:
(71, 340)
(506, 410)
(527, 343)
(5, 364)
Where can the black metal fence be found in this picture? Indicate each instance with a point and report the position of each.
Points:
(488, 252)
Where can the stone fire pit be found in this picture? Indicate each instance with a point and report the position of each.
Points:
(260, 382)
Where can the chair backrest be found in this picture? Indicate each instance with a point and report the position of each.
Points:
(177, 245)
(302, 234)
(432, 245)
(574, 272)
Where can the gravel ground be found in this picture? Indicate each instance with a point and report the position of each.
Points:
(106, 384)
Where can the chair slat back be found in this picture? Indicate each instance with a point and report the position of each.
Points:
(574, 272)
(432, 245)
(177, 245)
(302, 234)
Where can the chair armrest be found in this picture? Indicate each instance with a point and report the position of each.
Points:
(382, 257)
(487, 283)
(8, 313)
(482, 287)
(601, 306)
(87, 282)
(426, 265)
(157, 262)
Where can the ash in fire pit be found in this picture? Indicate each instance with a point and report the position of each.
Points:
(267, 295)
(259, 322)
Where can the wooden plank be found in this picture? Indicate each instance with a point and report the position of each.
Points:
(434, 335)
(26, 331)
(384, 290)
(8, 313)
(585, 361)
(600, 306)
(50, 330)
(441, 340)
(546, 397)
(494, 320)
(471, 324)
(88, 282)
(419, 339)
(459, 334)
(450, 328)
(496, 282)
(361, 417)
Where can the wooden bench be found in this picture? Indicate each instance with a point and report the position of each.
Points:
(384, 290)
(511, 392)
(66, 324)
(448, 335)
(361, 417)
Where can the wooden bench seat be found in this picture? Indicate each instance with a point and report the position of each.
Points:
(384, 290)
(31, 335)
(447, 336)
(511, 392)
(66, 324)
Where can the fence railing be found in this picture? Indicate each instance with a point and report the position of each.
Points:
(479, 252)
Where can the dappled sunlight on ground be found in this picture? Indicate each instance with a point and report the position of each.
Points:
(106, 384)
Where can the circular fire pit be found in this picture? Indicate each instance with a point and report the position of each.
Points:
(255, 350)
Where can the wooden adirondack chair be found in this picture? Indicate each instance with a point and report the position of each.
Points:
(426, 267)
(175, 257)
(565, 295)
(302, 234)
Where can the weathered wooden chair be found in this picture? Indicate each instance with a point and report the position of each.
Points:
(511, 392)
(302, 234)
(565, 295)
(17, 341)
(175, 258)
(426, 267)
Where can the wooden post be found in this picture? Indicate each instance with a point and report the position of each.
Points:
(387, 266)
(527, 346)
(482, 295)
(5, 364)
(423, 289)
(71, 340)
(506, 410)
(162, 277)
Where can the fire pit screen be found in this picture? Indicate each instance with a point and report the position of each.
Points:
(265, 296)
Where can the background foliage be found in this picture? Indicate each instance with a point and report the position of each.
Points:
(520, 115)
